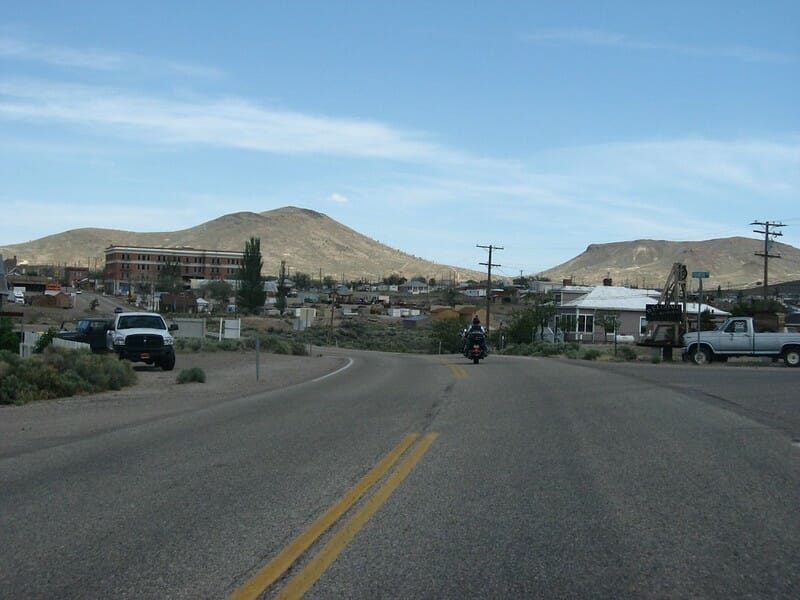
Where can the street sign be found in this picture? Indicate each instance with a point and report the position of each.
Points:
(700, 274)
(659, 312)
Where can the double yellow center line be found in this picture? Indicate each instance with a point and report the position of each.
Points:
(306, 577)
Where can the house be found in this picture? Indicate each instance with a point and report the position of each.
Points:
(414, 287)
(52, 299)
(578, 317)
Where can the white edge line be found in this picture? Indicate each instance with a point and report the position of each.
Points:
(339, 370)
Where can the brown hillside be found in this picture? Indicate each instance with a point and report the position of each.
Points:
(308, 241)
(731, 262)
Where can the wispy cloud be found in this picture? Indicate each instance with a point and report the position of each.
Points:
(12, 48)
(607, 39)
(338, 198)
(59, 55)
(227, 122)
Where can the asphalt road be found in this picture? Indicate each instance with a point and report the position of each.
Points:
(427, 477)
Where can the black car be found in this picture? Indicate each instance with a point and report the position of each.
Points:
(89, 331)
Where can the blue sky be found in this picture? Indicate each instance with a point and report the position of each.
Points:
(431, 127)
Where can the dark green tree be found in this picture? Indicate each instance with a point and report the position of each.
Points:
(251, 295)
(530, 321)
(169, 277)
(394, 279)
(8, 339)
(521, 281)
(302, 281)
(219, 290)
(447, 333)
(283, 289)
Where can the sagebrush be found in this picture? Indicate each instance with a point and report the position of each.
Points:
(58, 372)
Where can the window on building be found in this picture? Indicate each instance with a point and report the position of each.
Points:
(578, 323)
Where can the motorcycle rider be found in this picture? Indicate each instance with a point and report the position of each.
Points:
(476, 327)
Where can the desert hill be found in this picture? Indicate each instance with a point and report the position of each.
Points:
(311, 242)
(731, 263)
(308, 241)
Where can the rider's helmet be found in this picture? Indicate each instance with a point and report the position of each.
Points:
(476, 320)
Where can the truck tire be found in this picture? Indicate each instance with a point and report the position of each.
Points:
(700, 356)
(791, 357)
(168, 362)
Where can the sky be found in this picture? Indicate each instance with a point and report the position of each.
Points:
(432, 127)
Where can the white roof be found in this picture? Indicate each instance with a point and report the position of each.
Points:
(615, 298)
(691, 308)
(622, 298)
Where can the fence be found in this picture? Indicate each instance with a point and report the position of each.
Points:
(31, 338)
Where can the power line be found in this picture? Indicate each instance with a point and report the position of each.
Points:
(767, 246)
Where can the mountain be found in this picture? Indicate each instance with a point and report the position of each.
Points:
(730, 262)
(311, 242)
(308, 241)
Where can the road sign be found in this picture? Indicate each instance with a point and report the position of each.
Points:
(658, 312)
(700, 274)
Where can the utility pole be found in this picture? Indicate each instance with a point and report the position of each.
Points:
(767, 243)
(489, 265)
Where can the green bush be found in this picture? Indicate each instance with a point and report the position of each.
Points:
(45, 340)
(626, 353)
(8, 339)
(592, 354)
(193, 375)
(57, 373)
(547, 349)
(189, 344)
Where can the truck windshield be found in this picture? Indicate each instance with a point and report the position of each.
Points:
(140, 322)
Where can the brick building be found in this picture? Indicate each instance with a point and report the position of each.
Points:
(130, 266)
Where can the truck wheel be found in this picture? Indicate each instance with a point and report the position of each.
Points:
(168, 362)
(701, 356)
(792, 357)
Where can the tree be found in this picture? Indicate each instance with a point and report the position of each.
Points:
(251, 295)
(169, 278)
(530, 320)
(520, 281)
(446, 333)
(219, 290)
(280, 301)
(8, 339)
(302, 281)
(608, 321)
(394, 279)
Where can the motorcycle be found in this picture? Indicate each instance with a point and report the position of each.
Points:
(475, 346)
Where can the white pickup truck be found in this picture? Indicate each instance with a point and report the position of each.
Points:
(143, 337)
(738, 337)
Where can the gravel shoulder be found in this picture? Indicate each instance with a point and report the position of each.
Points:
(229, 375)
